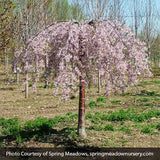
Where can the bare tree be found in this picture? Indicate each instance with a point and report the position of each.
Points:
(95, 9)
(116, 10)
(136, 18)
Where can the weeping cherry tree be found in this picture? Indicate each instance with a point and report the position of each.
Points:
(73, 48)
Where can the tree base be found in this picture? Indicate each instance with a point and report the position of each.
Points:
(82, 133)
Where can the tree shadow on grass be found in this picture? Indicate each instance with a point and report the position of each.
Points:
(54, 136)
(60, 138)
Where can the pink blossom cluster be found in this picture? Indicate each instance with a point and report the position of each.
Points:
(73, 48)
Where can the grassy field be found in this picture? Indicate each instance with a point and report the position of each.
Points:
(127, 120)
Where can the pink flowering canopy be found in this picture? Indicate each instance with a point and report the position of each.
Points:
(73, 48)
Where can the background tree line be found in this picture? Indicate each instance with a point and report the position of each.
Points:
(21, 20)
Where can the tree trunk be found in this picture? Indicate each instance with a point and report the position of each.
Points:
(46, 72)
(6, 67)
(37, 75)
(17, 77)
(135, 19)
(81, 116)
(37, 69)
(26, 83)
(99, 82)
